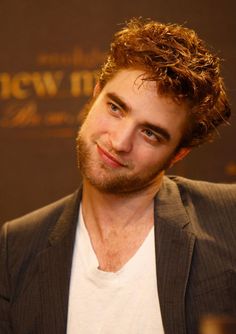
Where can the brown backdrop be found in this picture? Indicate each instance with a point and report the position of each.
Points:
(50, 51)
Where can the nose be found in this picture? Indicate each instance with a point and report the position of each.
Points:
(122, 138)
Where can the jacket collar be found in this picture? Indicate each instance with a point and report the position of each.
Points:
(55, 266)
(174, 248)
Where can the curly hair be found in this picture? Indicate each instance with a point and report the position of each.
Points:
(181, 65)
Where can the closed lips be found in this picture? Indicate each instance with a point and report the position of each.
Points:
(110, 157)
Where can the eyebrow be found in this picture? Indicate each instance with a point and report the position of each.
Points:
(119, 101)
(159, 130)
(155, 128)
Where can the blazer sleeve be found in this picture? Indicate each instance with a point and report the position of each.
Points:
(5, 325)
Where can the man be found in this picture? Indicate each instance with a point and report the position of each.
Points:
(132, 251)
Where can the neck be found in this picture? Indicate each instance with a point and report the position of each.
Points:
(114, 210)
(117, 225)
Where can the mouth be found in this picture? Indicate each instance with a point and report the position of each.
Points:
(109, 159)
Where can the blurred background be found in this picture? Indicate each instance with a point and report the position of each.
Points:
(50, 52)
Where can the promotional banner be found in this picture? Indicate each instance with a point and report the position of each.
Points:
(50, 56)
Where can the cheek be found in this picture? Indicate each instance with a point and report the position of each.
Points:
(95, 126)
(150, 157)
(144, 156)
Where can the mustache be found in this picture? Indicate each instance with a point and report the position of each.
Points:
(107, 149)
(113, 155)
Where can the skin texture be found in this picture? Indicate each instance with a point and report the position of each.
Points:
(119, 149)
(127, 140)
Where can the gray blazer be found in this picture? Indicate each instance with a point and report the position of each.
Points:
(195, 231)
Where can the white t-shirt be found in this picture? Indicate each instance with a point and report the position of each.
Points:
(124, 302)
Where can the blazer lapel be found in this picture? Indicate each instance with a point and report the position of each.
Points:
(55, 266)
(174, 249)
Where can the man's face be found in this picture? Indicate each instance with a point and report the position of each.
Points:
(130, 135)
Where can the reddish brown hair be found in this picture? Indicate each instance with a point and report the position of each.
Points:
(183, 68)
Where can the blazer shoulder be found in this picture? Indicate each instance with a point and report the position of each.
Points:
(22, 239)
(219, 193)
(37, 218)
(35, 227)
(211, 208)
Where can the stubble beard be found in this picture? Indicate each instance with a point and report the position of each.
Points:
(114, 181)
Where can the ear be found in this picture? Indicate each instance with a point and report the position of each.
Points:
(97, 89)
(180, 155)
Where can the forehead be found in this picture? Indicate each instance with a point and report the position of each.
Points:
(142, 95)
(140, 99)
(134, 80)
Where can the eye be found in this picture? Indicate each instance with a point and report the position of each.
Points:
(114, 109)
(151, 136)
